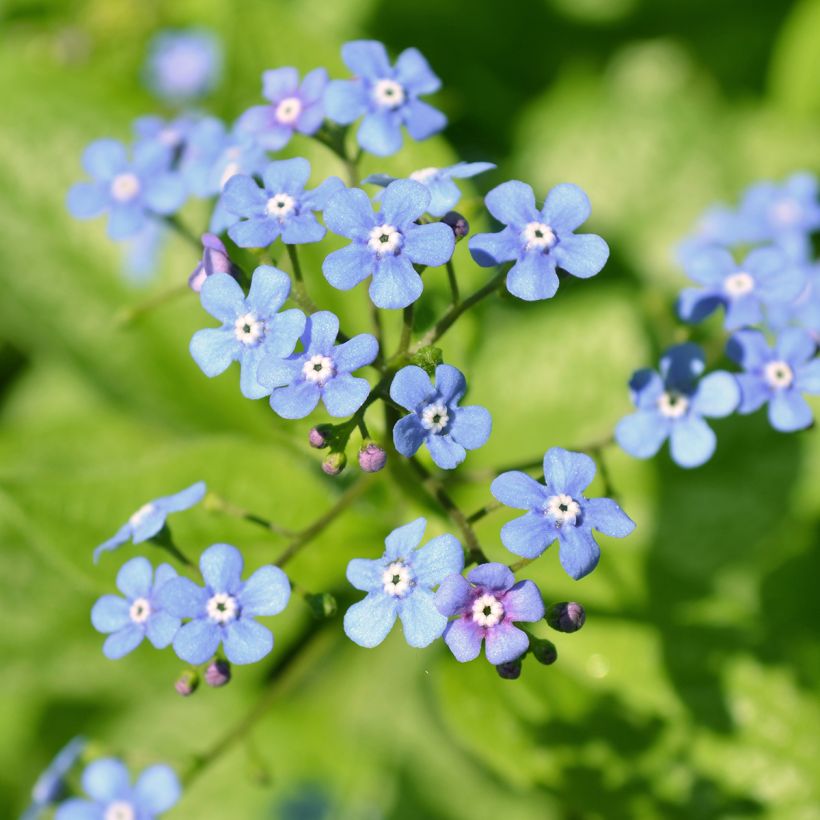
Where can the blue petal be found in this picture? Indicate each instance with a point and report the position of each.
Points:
(565, 209)
(789, 411)
(489, 249)
(344, 395)
(512, 203)
(444, 196)
(718, 395)
(110, 613)
(464, 639)
(411, 387)
(213, 349)
(582, 255)
(528, 535)
(692, 442)
(743, 311)
(123, 641)
(243, 196)
(148, 525)
(270, 288)
(345, 268)
(380, 133)
(681, 365)
(163, 574)
(430, 245)
(516, 489)
(505, 643)
(795, 346)
(604, 515)
(395, 283)
(222, 297)
(578, 551)
(437, 559)
(182, 598)
(366, 58)
(641, 434)
(157, 789)
(471, 427)
(465, 170)
(247, 641)
(350, 213)
(86, 200)
(368, 622)
(345, 100)
(646, 387)
(165, 193)
(450, 383)
(122, 535)
(568, 472)
(421, 622)
(317, 199)
(403, 202)
(749, 349)
(408, 435)
(414, 72)
(523, 602)
(533, 277)
(303, 229)
(321, 330)
(134, 578)
(492, 575)
(695, 304)
(710, 267)
(453, 595)
(184, 499)
(106, 779)
(754, 392)
(278, 83)
(357, 352)
(197, 641)
(445, 452)
(221, 567)
(807, 378)
(283, 332)
(403, 540)
(365, 574)
(266, 592)
(422, 120)
(296, 400)
(75, 809)
(125, 220)
(257, 232)
(313, 85)
(104, 159)
(161, 628)
(287, 176)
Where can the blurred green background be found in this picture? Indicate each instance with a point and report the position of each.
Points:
(693, 690)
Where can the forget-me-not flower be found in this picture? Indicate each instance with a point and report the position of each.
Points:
(50, 785)
(400, 584)
(223, 611)
(486, 605)
(777, 376)
(435, 418)
(183, 64)
(322, 371)
(673, 404)
(385, 244)
(558, 509)
(539, 241)
(252, 329)
(387, 96)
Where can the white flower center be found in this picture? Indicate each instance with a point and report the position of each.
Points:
(248, 329)
(141, 514)
(564, 509)
(120, 810)
(318, 369)
(388, 93)
(280, 206)
(672, 405)
(221, 608)
(778, 375)
(140, 610)
(397, 579)
(785, 212)
(487, 610)
(385, 239)
(124, 187)
(435, 417)
(739, 284)
(288, 110)
(424, 175)
(538, 237)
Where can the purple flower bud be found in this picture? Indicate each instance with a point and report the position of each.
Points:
(372, 457)
(567, 616)
(334, 463)
(218, 673)
(458, 223)
(317, 437)
(187, 683)
(543, 651)
(510, 670)
(215, 259)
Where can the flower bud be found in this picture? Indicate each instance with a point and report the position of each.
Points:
(567, 616)
(372, 457)
(428, 358)
(218, 673)
(322, 604)
(334, 463)
(317, 437)
(510, 670)
(215, 259)
(458, 223)
(543, 651)
(187, 683)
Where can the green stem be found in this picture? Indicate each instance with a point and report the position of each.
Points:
(299, 292)
(175, 223)
(128, 315)
(218, 504)
(451, 278)
(164, 541)
(406, 331)
(485, 510)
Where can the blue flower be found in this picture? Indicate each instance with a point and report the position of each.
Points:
(132, 192)
(400, 584)
(804, 310)
(765, 277)
(281, 207)
(487, 604)
(672, 405)
(107, 782)
(322, 371)
(539, 241)
(149, 519)
(223, 611)
(50, 785)
(777, 376)
(252, 329)
(293, 107)
(435, 417)
(559, 509)
(444, 195)
(184, 64)
(385, 245)
(387, 96)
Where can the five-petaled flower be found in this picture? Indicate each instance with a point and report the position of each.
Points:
(435, 417)
(388, 96)
(50, 785)
(400, 584)
(539, 241)
(386, 244)
(183, 64)
(777, 375)
(149, 519)
(558, 509)
(139, 614)
(252, 327)
(223, 611)
(107, 782)
(672, 405)
(487, 604)
(281, 207)
(322, 371)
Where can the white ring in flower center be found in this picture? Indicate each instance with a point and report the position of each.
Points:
(319, 369)
(435, 417)
(248, 329)
(384, 239)
(397, 579)
(140, 610)
(141, 514)
(538, 237)
(388, 94)
(564, 509)
(119, 810)
(739, 284)
(778, 375)
(288, 110)
(124, 187)
(487, 610)
(221, 608)
(424, 175)
(672, 405)
(280, 206)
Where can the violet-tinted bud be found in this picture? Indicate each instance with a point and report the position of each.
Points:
(543, 651)
(372, 457)
(334, 463)
(322, 604)
(567, 616)
(187, 683)
(218, 673)
(510, 670)
(458, 223)
(317, 437)
(215, 259)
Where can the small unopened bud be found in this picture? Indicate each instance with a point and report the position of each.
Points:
(428, 359)
(214, 259)
(334, 463)
(543, 651)
(567, 616)
(458, 223)
(322, 604)
(372, 457)
(187, 683)
(317, 437)
(510, 670)
(218, 673)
